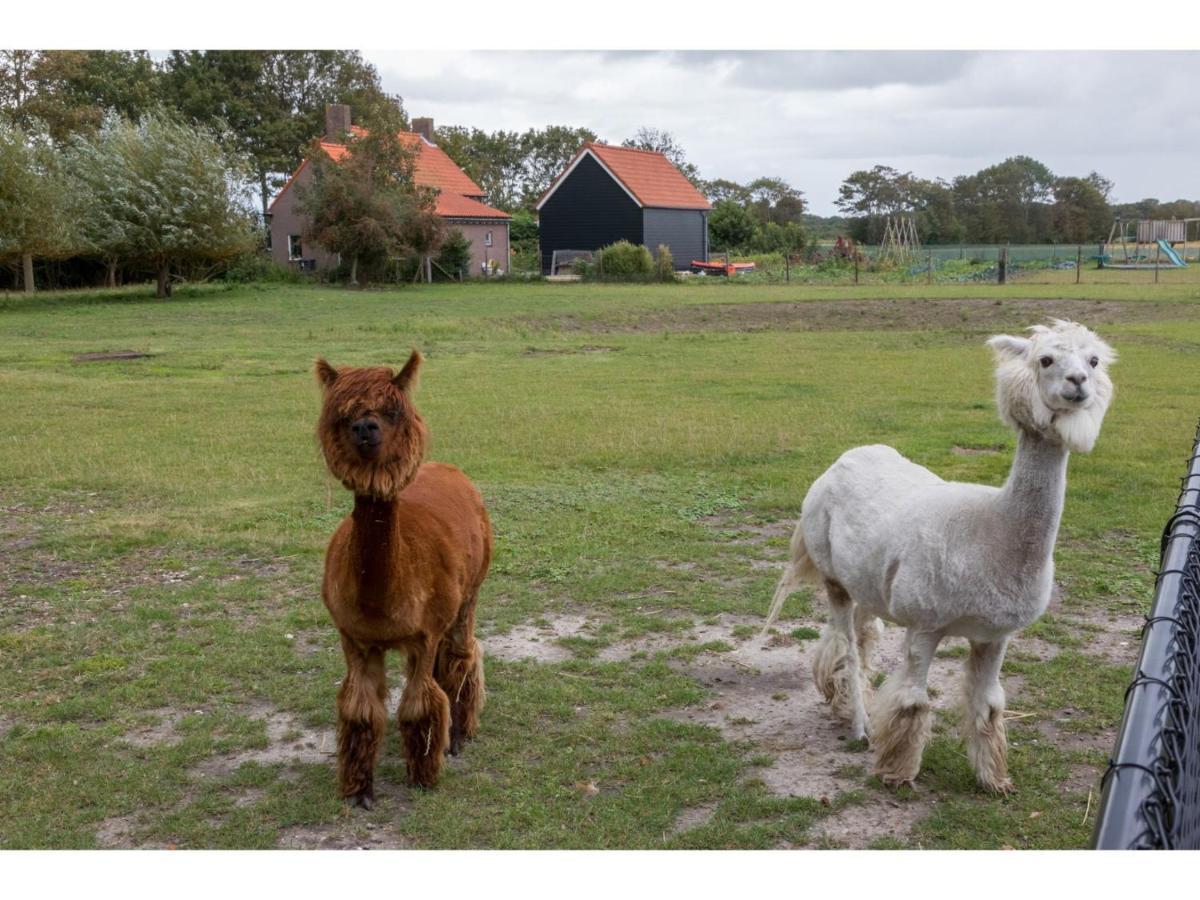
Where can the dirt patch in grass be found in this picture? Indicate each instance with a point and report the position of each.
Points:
(974, 451)
(1114, 636)
(162, 731)
(567, 351)
(748, 533)
(870, 315)
(289, 741)
(105, 355)
(693, 817)
(859, 825)
(539, 642)
(346, 835)
(116, 833)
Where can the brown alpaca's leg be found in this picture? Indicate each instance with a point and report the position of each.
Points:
(424, 719)
(362, 718)
(459, 671)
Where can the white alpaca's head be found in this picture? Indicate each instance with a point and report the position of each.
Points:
(1054, 383)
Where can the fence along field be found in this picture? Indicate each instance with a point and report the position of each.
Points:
(643, 450)
(972, 264)
(1152, 785)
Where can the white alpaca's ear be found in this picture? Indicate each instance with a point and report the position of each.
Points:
(1006, 346)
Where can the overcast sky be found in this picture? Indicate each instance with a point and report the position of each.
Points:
(812, 117)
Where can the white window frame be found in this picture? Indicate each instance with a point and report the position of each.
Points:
(487, 239)
(295, 247)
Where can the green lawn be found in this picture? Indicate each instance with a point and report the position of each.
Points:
(170, 671)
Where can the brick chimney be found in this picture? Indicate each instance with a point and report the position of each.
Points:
(337, 120)
(424, 127)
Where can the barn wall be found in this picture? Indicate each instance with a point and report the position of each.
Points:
(589, 210)
(683, 230)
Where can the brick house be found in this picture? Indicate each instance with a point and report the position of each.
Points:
(459, 202)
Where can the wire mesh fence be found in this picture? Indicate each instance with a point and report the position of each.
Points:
(970, 264)
(1151, 795)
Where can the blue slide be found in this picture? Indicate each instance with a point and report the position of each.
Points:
(1169, 251)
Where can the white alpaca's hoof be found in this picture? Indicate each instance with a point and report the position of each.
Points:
(1003, 786)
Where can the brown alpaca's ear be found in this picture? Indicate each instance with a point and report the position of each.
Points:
(406, 380)
(326, 374)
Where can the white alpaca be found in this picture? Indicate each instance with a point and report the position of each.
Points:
(889, 538)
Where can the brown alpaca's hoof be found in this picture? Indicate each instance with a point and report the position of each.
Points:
(362, 800)
(423, 755)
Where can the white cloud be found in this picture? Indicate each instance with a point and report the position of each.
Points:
(813, 117)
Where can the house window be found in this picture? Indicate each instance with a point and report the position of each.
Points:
(294, 246)
(487, 239)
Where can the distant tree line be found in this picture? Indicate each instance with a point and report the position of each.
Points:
(1017, 201)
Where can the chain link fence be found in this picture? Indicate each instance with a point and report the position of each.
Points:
(1151, 792)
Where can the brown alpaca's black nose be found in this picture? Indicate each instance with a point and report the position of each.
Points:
(366, 431)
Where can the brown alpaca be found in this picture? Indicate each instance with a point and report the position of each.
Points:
(402, 573)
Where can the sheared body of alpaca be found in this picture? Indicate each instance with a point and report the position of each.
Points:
(891, 539)
(402, 572)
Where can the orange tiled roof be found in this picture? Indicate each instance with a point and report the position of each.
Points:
(649, 176)
(458, 195)
(456, 206)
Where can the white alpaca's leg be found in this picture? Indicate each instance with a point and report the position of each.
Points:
(868, 628)
(901, 715)
(836, 666)
(987, 742)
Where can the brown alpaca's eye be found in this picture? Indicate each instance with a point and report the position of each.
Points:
(1046, 361)
(1094, 361)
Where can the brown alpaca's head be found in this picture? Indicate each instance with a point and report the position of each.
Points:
(370, 432)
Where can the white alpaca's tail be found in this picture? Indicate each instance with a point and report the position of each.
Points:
(800, 568)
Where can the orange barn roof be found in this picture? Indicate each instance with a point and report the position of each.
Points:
(649, 177)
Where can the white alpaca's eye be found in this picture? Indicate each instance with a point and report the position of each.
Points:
(1046, 361)
(1094, 361)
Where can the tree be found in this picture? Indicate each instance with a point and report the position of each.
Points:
(365, 206)
(773, 200)
(1080, 212)
(70, 91)
(495, 161)
(723, 189)
(175, 195)
(660, 141)
(936, 215)
(35, 202)
(101, 197)
(776, 238)
(870, 196)
(1009, 201)
(730, 225)
(268, 104)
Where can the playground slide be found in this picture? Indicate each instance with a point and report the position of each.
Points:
(1169, 252)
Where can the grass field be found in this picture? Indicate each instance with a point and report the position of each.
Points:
(170, 672)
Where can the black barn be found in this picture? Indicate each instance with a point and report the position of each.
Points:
(609, 194)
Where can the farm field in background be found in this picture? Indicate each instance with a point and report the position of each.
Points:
(643, 450)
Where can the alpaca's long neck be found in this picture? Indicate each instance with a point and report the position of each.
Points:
(375, 547)
(1031, 501)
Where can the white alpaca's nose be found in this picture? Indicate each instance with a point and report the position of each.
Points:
(1077, 378)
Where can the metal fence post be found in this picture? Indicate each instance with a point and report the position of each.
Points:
(1078, 263)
